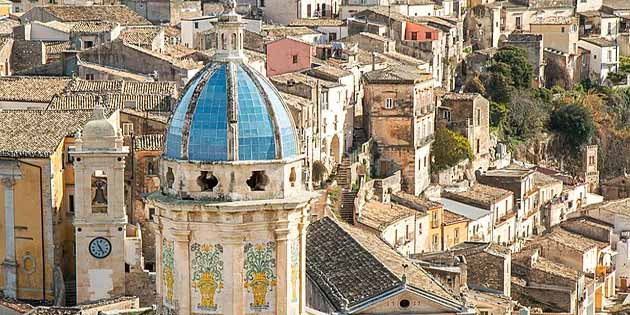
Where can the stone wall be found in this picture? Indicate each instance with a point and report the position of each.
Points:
(142, 285)
(489, 271)
(26, 54)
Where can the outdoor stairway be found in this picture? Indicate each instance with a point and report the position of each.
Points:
(346, 210)
(343, 176)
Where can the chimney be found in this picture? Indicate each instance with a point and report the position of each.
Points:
(70, 61)
(373, 61)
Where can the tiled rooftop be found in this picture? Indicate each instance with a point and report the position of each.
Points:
(451, 218)
(6, 26)
(140, 36)
(276, 32)
(53, 48)
(554, 20)
(541, 179)
(460, 96)
(479, 195)
(523, 259)
(326, 72)
(511, 170)
(112, 13)
(396, 75)
(93, 27)
(572, 240)
(598, 41)
(37, 133)
(418, 203)
(31, 89)
(317, 22)
(379, 216)
(124, 87)
(153, 142)
(138, 102)
(351, 264)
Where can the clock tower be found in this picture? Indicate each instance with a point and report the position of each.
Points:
(100, 220)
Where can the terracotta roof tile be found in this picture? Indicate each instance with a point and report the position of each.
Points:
(379, 216)
(140, 36)
(31, 89)
(351, 264)
(112, 13)
(37, 133)
(479, 195)
(149, 143)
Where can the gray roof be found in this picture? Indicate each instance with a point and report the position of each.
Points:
(395, 74)
(598, 41)
(37, 133)
(468, 211)
(617, 4)
(352, 266)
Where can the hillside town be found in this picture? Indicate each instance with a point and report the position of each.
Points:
(313, 157)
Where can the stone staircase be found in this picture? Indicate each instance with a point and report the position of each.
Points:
(344, 175)
(346, 210)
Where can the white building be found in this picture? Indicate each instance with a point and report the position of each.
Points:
(191, 27)
(604, 56)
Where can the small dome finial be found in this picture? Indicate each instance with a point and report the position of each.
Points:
(232, 5)
(99, 112)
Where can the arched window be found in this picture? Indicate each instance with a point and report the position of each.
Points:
(223, 41)
(99, 192)
(234, 41)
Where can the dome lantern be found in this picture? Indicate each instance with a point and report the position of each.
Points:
(229, 34)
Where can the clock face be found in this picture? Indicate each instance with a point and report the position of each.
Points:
(100, 247)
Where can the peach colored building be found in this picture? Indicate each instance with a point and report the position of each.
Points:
(287, 55)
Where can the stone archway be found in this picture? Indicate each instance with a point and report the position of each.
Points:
(335, 149)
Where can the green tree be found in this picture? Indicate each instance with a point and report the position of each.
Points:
(449, 148)
(520, 71)
(498, 115)
(527, 116)
(575, 123)
(497, 87)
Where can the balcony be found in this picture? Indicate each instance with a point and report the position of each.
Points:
(425, 141)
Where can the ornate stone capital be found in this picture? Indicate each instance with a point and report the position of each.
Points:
(282, 234)
(8, 181)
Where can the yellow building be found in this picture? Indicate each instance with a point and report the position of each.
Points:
(36, 185)
(5, 7)
(454, 229)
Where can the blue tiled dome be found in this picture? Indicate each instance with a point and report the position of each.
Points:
(230, 112)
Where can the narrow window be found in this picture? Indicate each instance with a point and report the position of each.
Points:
(71, 203)
(99, 192)
(389, 103)
(414, 35)
(295, 59)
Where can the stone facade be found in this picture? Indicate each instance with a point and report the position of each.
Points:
(400, 117)
(469, 115)
(100, 219)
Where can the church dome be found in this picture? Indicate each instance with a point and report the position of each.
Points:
(230, 112)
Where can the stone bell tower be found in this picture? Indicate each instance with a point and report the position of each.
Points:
(590, 168)
(100, 220)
